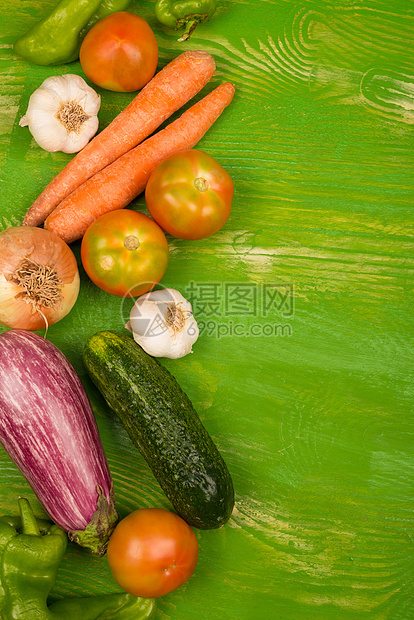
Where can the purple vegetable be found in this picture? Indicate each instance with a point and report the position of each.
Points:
(48, 429)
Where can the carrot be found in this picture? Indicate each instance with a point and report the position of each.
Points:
(116, 185)
(167, 92)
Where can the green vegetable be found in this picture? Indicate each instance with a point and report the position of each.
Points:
(185, 14)
(164, 426)
(56, 39)
(30, 553)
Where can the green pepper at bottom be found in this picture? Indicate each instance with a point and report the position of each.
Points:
(30, 553)
(185, 14)
(121, 606)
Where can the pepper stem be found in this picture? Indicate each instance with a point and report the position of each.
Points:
(29, 523)
(190, 22)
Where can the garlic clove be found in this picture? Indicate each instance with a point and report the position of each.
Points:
(162, 323)
(77, 89)
(49, 134)
(167, 346)
(74, 142)
(158, 347)
(62, 114)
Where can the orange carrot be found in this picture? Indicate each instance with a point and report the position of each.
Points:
(166, 93)
(116, 185)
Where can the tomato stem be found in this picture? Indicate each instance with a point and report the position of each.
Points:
(131, 243)
(201, 184)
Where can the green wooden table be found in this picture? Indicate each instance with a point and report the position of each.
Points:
(303, 373)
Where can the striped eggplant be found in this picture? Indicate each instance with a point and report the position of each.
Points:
(48, 429)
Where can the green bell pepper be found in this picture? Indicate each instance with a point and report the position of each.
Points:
(56, 39)
(185, 14)
(30, 553)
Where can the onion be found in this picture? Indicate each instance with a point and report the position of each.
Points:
(39, 278)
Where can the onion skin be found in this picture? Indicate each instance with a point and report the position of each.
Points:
(48, 429)
(45, 248)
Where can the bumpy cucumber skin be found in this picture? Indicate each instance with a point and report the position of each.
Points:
(163, 424)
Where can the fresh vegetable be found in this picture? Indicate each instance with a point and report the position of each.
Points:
(184, 14)
(39, 278)
(190, 195)
(48, 429)
(168, 91)
(152, 552)
(125, 253)
(164, 426)
(31, 550)
(163, 324)
(120, 182)
(62, 114)
(56, 39)
(120, 52)
(107, 7)
(120, 606)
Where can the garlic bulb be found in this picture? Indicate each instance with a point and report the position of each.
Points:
(62, 114)
(162, 323)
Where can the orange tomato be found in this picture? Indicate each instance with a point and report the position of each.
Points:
(152, 552)
(190, 195)
(125, 253)
(120, 52)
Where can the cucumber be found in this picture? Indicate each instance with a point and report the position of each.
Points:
(163, 424)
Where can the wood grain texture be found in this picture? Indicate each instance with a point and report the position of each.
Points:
(303, 373)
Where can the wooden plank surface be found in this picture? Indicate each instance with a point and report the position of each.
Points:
(303, 373)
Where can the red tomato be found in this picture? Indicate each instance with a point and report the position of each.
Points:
(120, 52)
(152, 552)
(124, 253)
(190, 195)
